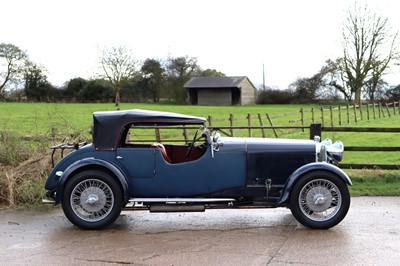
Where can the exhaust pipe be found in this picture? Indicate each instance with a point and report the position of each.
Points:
(47, 201)
(176, 208)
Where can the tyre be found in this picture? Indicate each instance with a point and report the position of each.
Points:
(92, 199)
(320, 200)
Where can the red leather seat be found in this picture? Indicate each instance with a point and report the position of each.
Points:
(163, 151)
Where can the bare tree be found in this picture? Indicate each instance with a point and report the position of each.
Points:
(375, 89)
(334, 80)
(118, 66)
(12, 60)
(368, 48)
(305, 89)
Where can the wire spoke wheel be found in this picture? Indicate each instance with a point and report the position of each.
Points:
(92, 200)
(320, 200)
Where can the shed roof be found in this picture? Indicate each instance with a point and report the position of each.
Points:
(214, 82)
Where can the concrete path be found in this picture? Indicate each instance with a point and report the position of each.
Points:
(369, 235)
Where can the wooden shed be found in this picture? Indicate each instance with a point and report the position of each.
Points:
(220, 91)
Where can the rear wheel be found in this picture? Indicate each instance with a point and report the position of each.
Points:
(320, 200)
(92, 199)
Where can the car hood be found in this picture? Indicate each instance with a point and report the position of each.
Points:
(267, 145)
(275, 159)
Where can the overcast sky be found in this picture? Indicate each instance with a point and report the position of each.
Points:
(291, 39)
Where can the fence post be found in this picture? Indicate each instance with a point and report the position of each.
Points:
(261, 124)
(355, 113)
(312, 114)
(209, 121)
(272, 125)
(54, 132)
(315, 130)
(399, 106)
(231, 122)
(340, 115)
(249, 123)
(361, 113)
(158, 135)
(387, 109)
(185, 134)
(348, 114)
(367, 111)
(302, 117)
(394, 108)
(373, 110)
(331, 111)
(322, 116)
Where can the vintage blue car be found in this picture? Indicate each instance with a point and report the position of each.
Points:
(126, 165)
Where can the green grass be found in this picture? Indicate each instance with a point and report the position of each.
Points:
(39, 118)
(374, 182)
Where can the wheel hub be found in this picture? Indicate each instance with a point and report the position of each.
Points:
(92, 199)
(319, 199)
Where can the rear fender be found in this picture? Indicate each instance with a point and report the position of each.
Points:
(296, 175)
(88, 163)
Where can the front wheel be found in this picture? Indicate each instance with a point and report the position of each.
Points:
(92, 199)
(320, 200)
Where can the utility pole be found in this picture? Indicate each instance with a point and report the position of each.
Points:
(263, 78)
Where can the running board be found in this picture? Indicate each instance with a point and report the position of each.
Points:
(182, 200)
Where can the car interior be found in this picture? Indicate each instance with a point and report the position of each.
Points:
(172, 151)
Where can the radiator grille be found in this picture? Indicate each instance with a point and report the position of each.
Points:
(277, 167)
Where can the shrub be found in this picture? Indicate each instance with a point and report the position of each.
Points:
(23, 163)
(272, 96)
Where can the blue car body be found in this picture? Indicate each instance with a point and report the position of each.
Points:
(221, 172)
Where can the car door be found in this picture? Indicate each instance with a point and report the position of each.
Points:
(138, 162)
(152, 176)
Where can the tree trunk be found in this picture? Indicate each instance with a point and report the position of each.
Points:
(117, 98)
(357, 96)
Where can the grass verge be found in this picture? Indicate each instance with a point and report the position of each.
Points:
(374, 182)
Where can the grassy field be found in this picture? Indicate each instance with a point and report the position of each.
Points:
(39, 118)
(21, 122)
(69, 119)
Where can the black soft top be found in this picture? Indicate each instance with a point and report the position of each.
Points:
(109, 125)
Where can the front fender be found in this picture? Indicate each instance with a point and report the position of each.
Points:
(86, 163)
(294, 177)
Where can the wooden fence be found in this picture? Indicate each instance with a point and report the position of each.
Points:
(347, 114)
(314, 129)
(332, 116)
(317, 129)
(324, 119)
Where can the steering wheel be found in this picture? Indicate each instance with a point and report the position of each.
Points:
(191, 145)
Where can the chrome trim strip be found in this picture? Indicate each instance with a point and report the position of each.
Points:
(181, 200)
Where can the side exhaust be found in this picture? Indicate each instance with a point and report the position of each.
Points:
(47, 201)
(176, 208)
